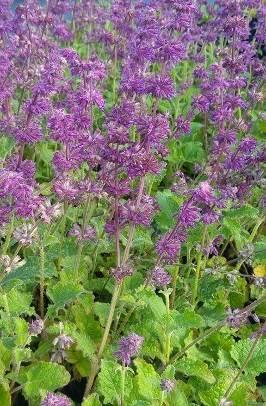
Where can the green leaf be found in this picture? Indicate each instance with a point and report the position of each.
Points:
(197, 368)
(5, 397)
(102, 311)
(43, 376)
(92, 400)
(233, 229)
(148, 381)
(257, 363)
(109, 381)
(212, 394)
(188, 319)
(245, 211)
(193, 152)
(18, 302)
(63, 293)
(155, 303)
(29, 273)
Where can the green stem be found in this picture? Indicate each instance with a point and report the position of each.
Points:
(95, 366)
(198, 269)
(42, 279)
(243, 367)
(168, 336)
(123, 380)
(175, 277)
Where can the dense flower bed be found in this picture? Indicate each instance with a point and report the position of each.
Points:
(133, 264)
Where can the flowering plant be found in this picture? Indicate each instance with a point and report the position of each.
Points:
(132, 263)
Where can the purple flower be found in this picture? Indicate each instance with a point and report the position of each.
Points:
(189, 214)
(247, 145)
(128, 347)
(204, 193)
(182, 126)
(159, 277)
(160, 86)
(52, 399)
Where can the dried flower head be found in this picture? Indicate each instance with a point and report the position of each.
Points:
(119, 273)
(63, 342)
(167, 385)
(36, 327)
(26, 234)
(237, 318)
(9, 264)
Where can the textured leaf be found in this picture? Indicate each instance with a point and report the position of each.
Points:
(5, 397)
(18, 302)
(109, 380)
(198, 368)
(148, 380)
(189, 319)
(63, 294)
(212, 395)
(92, 400)
(257, 363)
(46, 376)
(29, 273)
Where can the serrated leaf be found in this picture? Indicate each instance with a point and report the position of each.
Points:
(257, 363)
(92, 400)
(29, 273)
(18, 302)
(188, 319)
(212, 395)
(148, 380)
(63, 293)
(109, 381)
(245, 211)
(197, 368)
(43, 376)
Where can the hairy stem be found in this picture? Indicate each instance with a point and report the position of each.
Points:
(123, 380)
(42, 278)
(243, 367)
(217, 327)
(198, 269)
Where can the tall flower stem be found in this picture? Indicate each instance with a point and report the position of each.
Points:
(175, 277)
(42, 278)
(198, 269)
(95, 364)
(168, 335)
(123, 380)
(116, 292)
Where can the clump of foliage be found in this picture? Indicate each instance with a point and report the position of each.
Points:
(133, 264)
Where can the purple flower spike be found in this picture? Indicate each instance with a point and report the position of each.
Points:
(128, 347)
(51, 399)
(160, 277)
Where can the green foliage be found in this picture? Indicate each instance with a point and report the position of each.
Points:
(42, 376)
